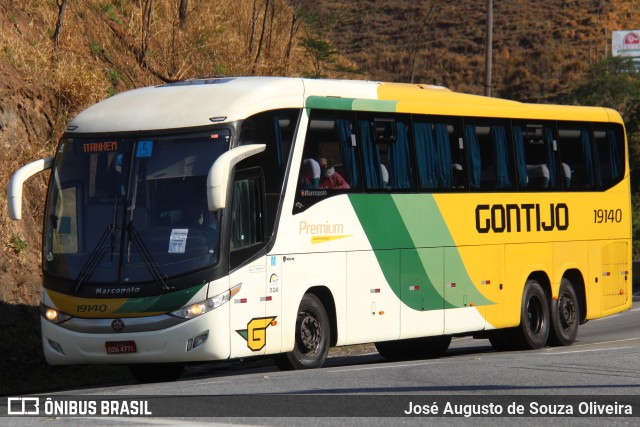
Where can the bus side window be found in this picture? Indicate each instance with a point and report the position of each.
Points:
(385, 152)
(536, 156)
(575, 144)
(610, 151)
(440, 155)
(489, 156)
(276, 129)
(329, 158)
(246, 214)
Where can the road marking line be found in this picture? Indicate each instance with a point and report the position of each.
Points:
(386, 366)
(585, 351)
(592, 344)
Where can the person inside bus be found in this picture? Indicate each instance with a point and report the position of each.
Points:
(330, 179)
(310, 178)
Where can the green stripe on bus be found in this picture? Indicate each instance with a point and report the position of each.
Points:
(425, 223)
(329, 103)
(381, 106)
(392, 245)
(412, 226)
(161, 303)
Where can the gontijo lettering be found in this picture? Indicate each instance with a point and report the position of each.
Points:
(525, 217)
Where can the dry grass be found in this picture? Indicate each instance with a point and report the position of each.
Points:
(540, 48)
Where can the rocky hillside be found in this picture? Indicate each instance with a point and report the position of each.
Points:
(540, 48)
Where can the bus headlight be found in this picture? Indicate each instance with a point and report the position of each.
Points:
(200, 308)
(53, 315)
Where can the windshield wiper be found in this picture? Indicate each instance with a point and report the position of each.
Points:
(94, 259)
(160, 278)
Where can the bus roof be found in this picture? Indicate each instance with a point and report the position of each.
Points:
(200, 102)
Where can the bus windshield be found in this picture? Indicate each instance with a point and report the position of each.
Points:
(132, 210)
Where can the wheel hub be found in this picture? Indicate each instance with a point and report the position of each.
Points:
(567, 311)
(310, 332)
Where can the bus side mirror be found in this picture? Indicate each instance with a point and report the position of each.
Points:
(14, 193)
(219, 174)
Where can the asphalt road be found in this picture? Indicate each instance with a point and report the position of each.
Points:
(603, 366)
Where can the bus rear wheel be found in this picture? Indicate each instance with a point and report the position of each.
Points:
(499, 340)
(312, 337)
(565, 315)
(534, 319)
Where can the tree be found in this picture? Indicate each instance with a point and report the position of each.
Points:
(62, 4)
(614, 83)
(146, 30)
(293, 30)
(182, 12)
(320, 52)
(318, 25)
(418, 26)
(267, 5)
(254, 24)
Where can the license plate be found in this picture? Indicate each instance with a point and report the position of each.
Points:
(120, 347)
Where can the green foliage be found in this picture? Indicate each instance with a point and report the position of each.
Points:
(18, 245)
(613, 83)
(345, 69)
(96, 49)
(114, 77)
(201, 42)
(319, 23)
(320, 52)
(110, 11)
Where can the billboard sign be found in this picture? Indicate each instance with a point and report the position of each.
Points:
(626, 43)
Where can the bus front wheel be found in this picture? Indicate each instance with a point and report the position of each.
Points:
(312, 337)
(565, 315)
(534, 318)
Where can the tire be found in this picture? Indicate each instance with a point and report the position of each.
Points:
(534, 319)
(414, 348)
(392, 350)
(565, 315)
(156, 372)
(312, 337)
(500, 340)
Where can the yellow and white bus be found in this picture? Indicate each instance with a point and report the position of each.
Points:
(234, 217)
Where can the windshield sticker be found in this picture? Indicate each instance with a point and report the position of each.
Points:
(178, 240)
(145, 148)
